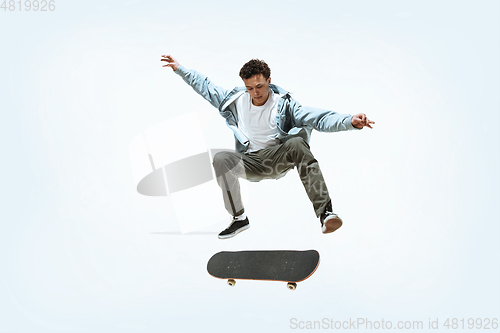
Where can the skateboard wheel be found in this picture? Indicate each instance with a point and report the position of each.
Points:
(291, 286)
(231, 282)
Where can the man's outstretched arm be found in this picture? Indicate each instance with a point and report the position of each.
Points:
(200, 83)
(326, 120)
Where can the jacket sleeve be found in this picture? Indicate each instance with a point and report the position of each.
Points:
(203, 86)
(319, 119)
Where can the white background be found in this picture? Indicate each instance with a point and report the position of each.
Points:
(81, 250)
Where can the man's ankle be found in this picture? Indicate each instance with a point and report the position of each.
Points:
(240, 217)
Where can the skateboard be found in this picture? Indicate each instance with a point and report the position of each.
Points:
(286, 266)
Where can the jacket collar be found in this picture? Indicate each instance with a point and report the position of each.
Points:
(278, 90)
(238, 91)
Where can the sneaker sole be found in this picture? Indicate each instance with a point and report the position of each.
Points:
(235, 233)
(331, 224)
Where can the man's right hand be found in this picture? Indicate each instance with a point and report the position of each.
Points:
(360, 120)
(174, 64)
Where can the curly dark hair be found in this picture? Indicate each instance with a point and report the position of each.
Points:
(255, 67)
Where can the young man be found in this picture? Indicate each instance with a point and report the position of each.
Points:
(272, 134)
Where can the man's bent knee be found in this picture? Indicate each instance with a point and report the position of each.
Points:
(296, 142)
(225, 160)
(220, 158)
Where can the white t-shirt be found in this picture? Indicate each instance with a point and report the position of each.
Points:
(258, 123)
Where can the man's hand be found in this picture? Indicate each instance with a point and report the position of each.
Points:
(360, 120)
(174, 64)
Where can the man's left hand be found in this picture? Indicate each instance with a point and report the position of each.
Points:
(360, 120)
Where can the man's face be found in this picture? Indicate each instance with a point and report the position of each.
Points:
(258, 87)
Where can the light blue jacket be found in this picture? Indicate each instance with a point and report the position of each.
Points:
(292, 119)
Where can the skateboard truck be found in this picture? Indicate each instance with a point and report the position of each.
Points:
(289, 285)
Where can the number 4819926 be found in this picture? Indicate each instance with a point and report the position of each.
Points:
(27, 5)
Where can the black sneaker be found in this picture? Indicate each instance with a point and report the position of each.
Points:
(235, 228)
(330, 222)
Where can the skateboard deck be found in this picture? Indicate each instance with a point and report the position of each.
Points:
(286, 266)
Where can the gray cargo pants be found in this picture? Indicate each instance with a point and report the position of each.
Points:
(270, 163)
